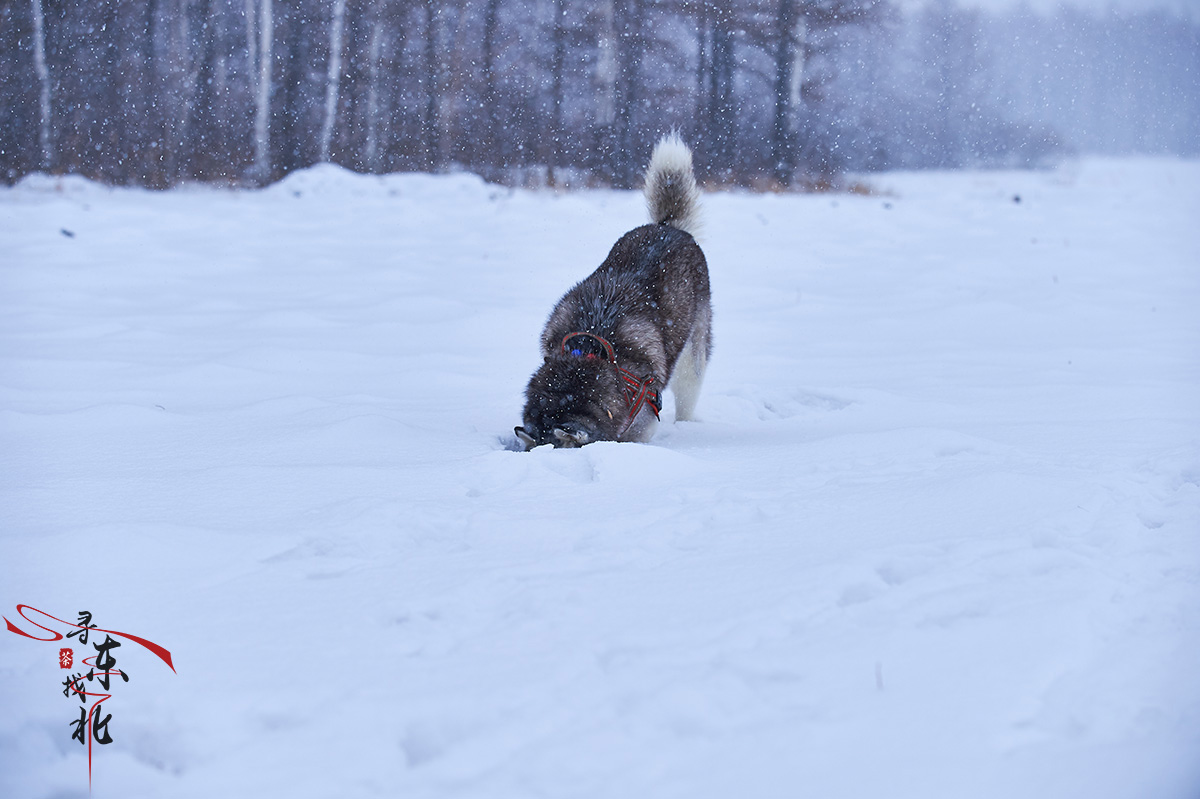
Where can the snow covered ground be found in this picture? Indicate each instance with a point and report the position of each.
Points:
(936, 533)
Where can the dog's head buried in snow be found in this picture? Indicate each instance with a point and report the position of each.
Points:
(638, 323)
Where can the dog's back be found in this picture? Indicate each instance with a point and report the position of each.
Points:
(641, 319)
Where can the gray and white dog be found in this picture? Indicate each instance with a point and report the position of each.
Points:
(641, 320)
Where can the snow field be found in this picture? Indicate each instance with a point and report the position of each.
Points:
(933, 535)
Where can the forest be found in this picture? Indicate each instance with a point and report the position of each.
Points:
(770, 93)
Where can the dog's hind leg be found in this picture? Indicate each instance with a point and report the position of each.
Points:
(689, 374)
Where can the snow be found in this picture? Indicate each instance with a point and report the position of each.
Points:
(933, 535)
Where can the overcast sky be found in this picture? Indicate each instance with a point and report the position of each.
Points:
(1190, 7)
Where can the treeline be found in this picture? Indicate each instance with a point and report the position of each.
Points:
(769, 92)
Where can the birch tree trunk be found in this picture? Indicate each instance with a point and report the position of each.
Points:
(43, 76)
(333, 76)
(703, 64)
(250, 13)
(371, 156)
(262, 111)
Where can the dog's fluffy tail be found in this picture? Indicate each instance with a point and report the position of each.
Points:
(671, 192)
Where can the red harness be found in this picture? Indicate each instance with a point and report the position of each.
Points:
(638, 392)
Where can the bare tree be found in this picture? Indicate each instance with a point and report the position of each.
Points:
(202, 151)
(333, 76)
(558, 33)
(491, 123)
(43, 76)
(262, 87)
(720, 115)
(429, 81)
(631, 45)
(789, 65)
(372, 151)
(154, 91)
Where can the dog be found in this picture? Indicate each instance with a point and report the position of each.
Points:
(640, 322)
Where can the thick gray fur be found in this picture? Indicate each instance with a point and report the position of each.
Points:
(650, 300)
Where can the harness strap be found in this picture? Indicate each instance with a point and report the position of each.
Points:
(638, 392)
(608, 348)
